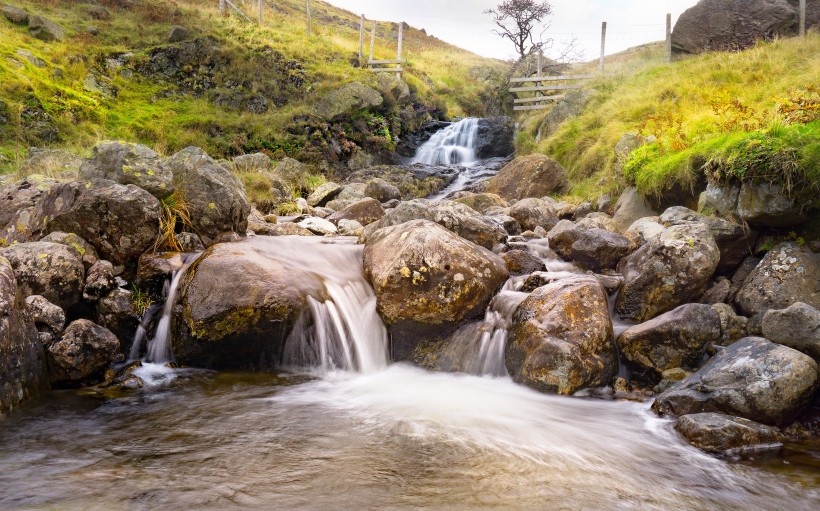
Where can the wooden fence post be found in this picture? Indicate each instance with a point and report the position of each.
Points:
(308, 18)
(222, 6)
(361, 41)
(260, 12)
(372, 41)
(802, 18)
(669, 37)
(603, 47)
(398, 53)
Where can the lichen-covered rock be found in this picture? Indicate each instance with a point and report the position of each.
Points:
(753, 378)
(216, 199)
(178, 34)
(22, 359)
(324, 193)
(115, 311)
(644, 229)
(350, 228)
(18, 208)
(82, 249)
(349, 99)
(366, 211)
(591, 249)
(667, 271)
(82, 354)
(45, 315)
(254, 162)
(428, 280)
(631, 206)
(44, 29)
(534, 175)
(797, 326)
(720, 199)
(99, 280)
(718, 433)
(532, 212)
(787, 274)
(732, 326)
(128, 164)
(482, 202)
(47, 269)
(561, 338)
(381, 190)
(674, 339)
(765, 205)
(521, 262)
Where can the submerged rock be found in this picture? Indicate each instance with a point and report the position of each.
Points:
(82, 354)
(718, 433)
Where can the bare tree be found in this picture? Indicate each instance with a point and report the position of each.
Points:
(518, 21)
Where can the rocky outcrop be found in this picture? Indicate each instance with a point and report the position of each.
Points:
(591, 249)
(753, 378)
(47, 269)
(797, 326)
(667, 271)
(495, 137)
(427, 281)
(81, 355)
(534, 175)
(718, 433)
(128, 164)
(561, 338)
(349, 99)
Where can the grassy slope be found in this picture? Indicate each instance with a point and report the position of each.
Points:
(702, 107)
(438, 72)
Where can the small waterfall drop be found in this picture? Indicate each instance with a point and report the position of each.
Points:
(453, 145)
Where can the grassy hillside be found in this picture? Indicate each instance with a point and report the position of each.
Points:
(106, 86)
(751, 113)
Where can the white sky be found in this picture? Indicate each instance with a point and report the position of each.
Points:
(462, 22)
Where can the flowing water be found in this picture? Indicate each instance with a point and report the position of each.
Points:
(452, 145)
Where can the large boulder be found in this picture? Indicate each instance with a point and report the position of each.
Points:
(561, 338)
(730, 25)
(495, 137)
(521, 262)
(22, 359)
(216, 199)
(674, 339)
(718, 433)
(44, 29)
(47, 269)
(18, 208)
(765, 205)
(366, 211)
(428, 280)
(534, 175)
(128, 164)
(82, 249)
(797, 326)
(753, 378)
(531, 213)
(382, 191)
(719, 198)
(631, 206)
(788, 273)
(591, 249)
(82, 354)
(14, 14)
(254, 162)
(669, 270)
(349, 99)
(324, 193)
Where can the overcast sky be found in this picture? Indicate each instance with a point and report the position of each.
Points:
(462, 22)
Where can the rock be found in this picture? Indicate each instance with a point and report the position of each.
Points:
(34, 60)
(413, 182)
(265, 190)
(797, 326)
(98, 12)
(292, 171)
(318, 226)
(506, 222)
(495, 137)
(82, 354)
(591, 249)
(381, 190)
(15, 14)
(581, 211)
(482, 202)
(22, 359)
(47, 269)
(189, 242)
(81, 249)
(396, 87)
(120, 221)
(216, 198)
(534, 175)
(18, 202)
(531, 213)
(99, 281)
(644, 229)
(366, 211)
(674, 339)
(427, 281)
(624, 147)
(718, 433)
(718, 292)
(520, 262)
(178, 34)
(50, 162)
(45, 29)
(731, 238)
(153, 270)
(787, 274)
(571, 105)
(629, 208)
(742, 273)
(350, 228)
(731, 25)
(115, 312)
(253, 162)
(732, 326)
(764, 205)
(720, 199)
(126, 164)
(288, 229)
(753, 378)
(45, 315)
(561, 338)
(596, 221)
(668, 271)
(349, 99)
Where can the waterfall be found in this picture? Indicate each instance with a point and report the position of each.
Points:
(452, 145)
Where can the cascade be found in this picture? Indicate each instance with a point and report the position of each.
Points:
(452, 145)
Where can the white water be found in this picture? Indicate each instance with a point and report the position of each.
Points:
(453, 145)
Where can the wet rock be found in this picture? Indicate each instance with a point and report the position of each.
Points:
(45, 315)
(189, 242)
(531, 213)
(520, 262)
(126, 164)
(668, 271)
(718, 433)
(732, 326)
(765, 205)
(349, 99)
(82, 354)
(366, 211)
(591, 249)
(178, 34)
(382, 191)
(674, 339)
(631, 206)
(787, 274)
(153, 270)
(506, 222)
(254, 162)
(495, 137)
(797, 326)
(561, 338)
(99, 281)
(427, 281)
(44, 29)
(318, 226)
(81, 249)
(115, 311)
(534, 175)
(47, 269)
(216, 198)
(482, 202)
(14, 14)
(753, 378)
(324, 193)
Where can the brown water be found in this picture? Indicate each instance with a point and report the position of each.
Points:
(400, 438)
